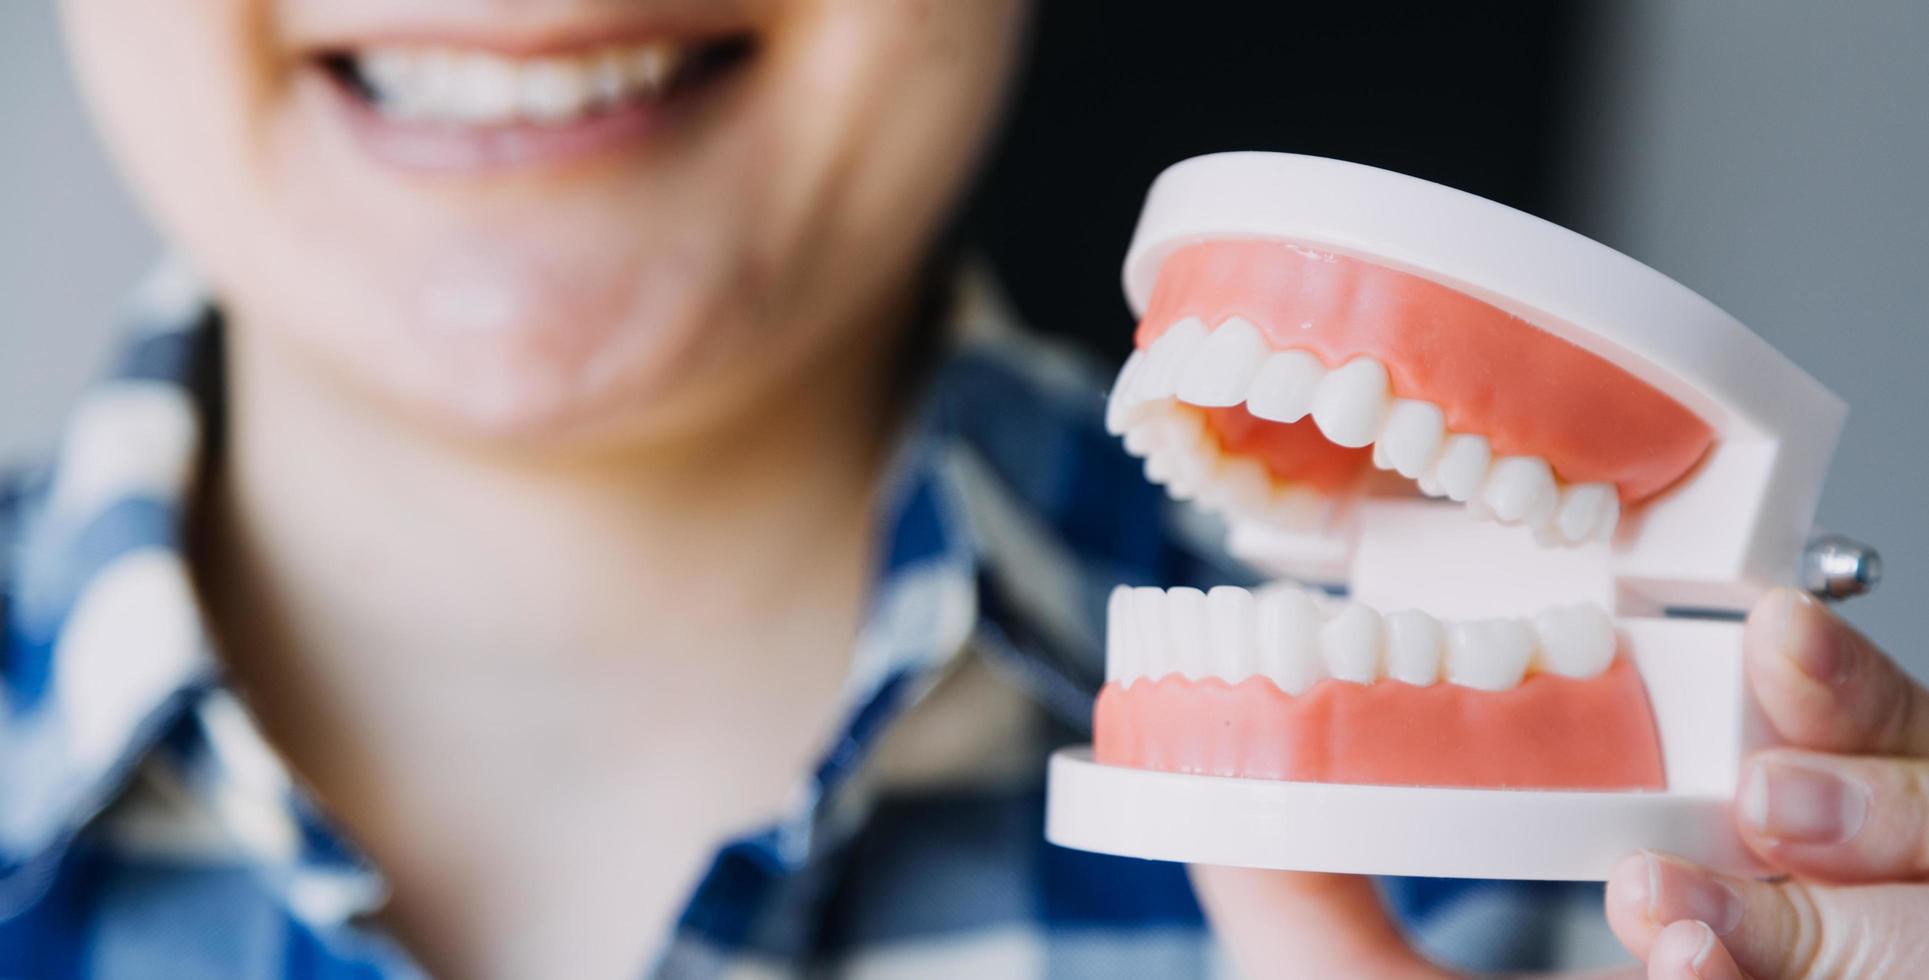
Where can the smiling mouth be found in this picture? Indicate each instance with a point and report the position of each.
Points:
(438, 106)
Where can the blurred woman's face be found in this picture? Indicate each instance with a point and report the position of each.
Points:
(549, 218)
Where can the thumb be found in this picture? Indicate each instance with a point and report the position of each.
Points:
(1300, 924)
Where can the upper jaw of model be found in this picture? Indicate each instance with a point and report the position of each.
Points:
(1304, 338)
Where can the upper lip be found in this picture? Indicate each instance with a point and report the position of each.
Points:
(527, 33)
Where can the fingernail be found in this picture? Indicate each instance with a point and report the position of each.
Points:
(1802, 804)
(1678, 891)
(1808, 639)
(1700, 960)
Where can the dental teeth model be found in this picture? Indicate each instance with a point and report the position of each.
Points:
(1546, 479)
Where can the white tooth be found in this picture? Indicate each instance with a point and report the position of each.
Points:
(1244, 485)
(1515, 487)
(385, 68)
(1411, 439)
(1186, 636)
(1540, 517)
(1580, 509)
(1350, 644)
(1194, 471)
(1150, 648)
(1462, 466)
(1181, 430)
(1123, 404)
(1288, 625)
(484, 90)
(1283, 389)
(1489, 654)
(1610, 516)
(551, 90)
(1119, 625)
(1429, 484)
(1168, 356)
(433, 86)
(651, 66)
(1147, 432)
(1159, 466)
(1231, 622)
(1297, 506)
(1350, 403)
(1413, 642)
(1574, 641)
(1223, 369)
(609, 78)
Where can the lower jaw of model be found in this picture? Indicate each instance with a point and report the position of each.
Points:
(1300, 394)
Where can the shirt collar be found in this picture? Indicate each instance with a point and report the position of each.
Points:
(104, 641)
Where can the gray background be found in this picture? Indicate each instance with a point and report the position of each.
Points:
(1769, 153)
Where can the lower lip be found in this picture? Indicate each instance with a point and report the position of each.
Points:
(455, 148)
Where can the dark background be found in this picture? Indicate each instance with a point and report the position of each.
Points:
(1475, 96)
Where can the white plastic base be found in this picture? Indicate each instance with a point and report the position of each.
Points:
(1380, 830)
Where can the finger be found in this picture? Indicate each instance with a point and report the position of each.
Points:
(1292, 924)
(1689, 950)
(1780, 929)
(1823, 685)
(1837, 818)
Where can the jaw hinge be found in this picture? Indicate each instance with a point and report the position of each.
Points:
(1835, 567)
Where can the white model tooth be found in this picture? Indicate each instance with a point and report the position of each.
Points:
(1350, 404)
(1166, 359)
(1147, 433)
(1244, 486)
(1610, 516)
(1186, 636)
(1223, 368)
(1580, 509)
(1350, 644)
(552, 89)
(1574, 641)
(1151, 649)
(1413, 647)
(1287, 628)
(1181, 430)
(1283, 389)
(1411, 438)
(1231, 624)
(1515, 487)
(1122, 406)
(1489, 654)
(1540, 517)
(1298, 507)
(1194, 471)
(1119, 626)
(1160, 467)
(1462, 466)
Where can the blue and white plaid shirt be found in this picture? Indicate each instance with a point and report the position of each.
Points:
(148, 829)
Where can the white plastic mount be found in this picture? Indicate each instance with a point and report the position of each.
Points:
(1381, 830)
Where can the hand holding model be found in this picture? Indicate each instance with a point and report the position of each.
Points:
(1839, 814)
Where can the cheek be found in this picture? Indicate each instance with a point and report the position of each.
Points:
(882, 110)
(182, 91)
